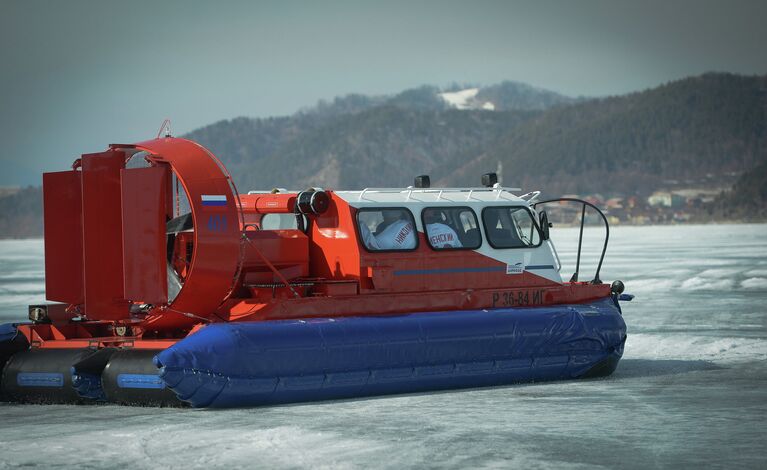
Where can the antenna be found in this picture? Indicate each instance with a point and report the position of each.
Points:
(166, 127)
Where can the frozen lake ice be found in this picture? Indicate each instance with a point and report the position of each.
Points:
(691, 389)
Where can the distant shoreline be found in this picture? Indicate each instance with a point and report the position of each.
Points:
(556, 225)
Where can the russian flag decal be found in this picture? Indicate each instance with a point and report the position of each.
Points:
(213, 200)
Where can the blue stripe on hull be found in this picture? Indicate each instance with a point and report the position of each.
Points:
(481, 269)
(149, 381)
(40, 379)
(420, 272)
(247, 364)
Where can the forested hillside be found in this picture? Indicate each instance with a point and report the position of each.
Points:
(629, 145)
(21, 214)
(703, 130)
(382, 146)
(685, 130)
(357, 141)
(747, 201)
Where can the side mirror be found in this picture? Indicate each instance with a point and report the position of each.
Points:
(543, 218)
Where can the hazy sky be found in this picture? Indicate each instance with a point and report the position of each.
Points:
(78, 75)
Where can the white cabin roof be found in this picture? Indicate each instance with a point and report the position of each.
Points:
(435, 195)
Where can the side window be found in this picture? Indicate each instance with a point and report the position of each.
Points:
(387, 229)
(510, 227)
(451, 228)
(280, 221)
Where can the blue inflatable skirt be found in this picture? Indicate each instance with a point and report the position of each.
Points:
(260, 363)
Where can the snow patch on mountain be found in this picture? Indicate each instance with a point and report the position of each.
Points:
(461, 99)
(466, 99)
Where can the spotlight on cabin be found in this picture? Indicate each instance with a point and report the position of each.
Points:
(422, 181)
(489, 179)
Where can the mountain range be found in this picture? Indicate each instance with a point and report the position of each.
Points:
(692, 130)
(703, 131)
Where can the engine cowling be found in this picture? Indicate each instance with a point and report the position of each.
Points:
(106, 244)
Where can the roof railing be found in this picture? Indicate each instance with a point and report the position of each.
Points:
(440, 192)
(583, 203)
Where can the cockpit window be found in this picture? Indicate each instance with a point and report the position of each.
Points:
(451, 228)
(387, 229)
(510, 227)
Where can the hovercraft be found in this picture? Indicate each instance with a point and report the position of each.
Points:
(168, 287)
